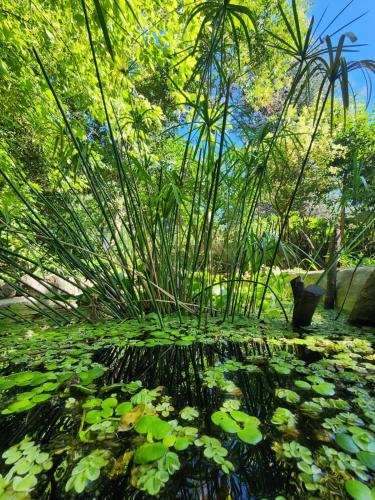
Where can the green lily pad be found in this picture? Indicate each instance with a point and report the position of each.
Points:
(250, 434)
(367, 458)
(241, 416)
(358, 490)
(301, 384)
(365, 441)
(149, 452)
(24, 484)
(124, 408)
(92, 403)
(109, 403)
(181, 443)
(93, 417)
(153, 425)
(40, 398)
(324, 388)
(227, 423)
(18, 406)
(346, 443)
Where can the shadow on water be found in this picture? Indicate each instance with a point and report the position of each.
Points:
(179, 371)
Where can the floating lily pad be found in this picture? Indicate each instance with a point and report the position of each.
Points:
(358, 490)
(149, 452)
(367, 458)
(324, 388)
(346, 443)
(153, 425)
(302, 384)
(250, 434)
(123, 408)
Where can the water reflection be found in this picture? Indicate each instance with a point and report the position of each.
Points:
(179, 370)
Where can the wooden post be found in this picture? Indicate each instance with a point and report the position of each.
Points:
(305, 301)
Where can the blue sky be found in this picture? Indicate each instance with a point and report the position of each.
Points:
(363, 28)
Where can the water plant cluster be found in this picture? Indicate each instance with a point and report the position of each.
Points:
(91, 418)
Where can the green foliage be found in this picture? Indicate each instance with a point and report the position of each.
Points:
(215, 451)
(357, 490)
(28, 461)
(138, 165)
(87, 470)
(288, 395)
(284, 417)
(189, 413)
(153, 478)
(238, 422)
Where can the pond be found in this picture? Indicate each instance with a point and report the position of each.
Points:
(130, 410)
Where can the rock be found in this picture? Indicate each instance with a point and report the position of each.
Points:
(363, 312)
(355, 285)
(33, 287)
(7, 292)
(17, 300)
(61, 285)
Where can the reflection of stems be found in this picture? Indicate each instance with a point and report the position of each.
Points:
(82, 421)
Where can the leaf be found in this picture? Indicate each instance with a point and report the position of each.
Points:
(364, 440)
(172, 462)
(149, 452)
(130, 418)
(87, 376)
(80, 482)
(302, 384)
(181, 443)
(346, 443)
(217, 417)
(92, 403)
(241, 416)
(229, 425)
(189, 413)
(283, 416)
(250, 434)
(325, 389)
(288, 395)
(367, 458)
(153, 425)
(18, 406)
(169, 441)
(358, 490)
(24, 484)
(39, 398)
(93, 417)
(109, 403)
(103, 25)
(11, 455)
(124, 408)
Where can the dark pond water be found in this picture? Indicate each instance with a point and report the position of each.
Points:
(178, 370)
(206, 375)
